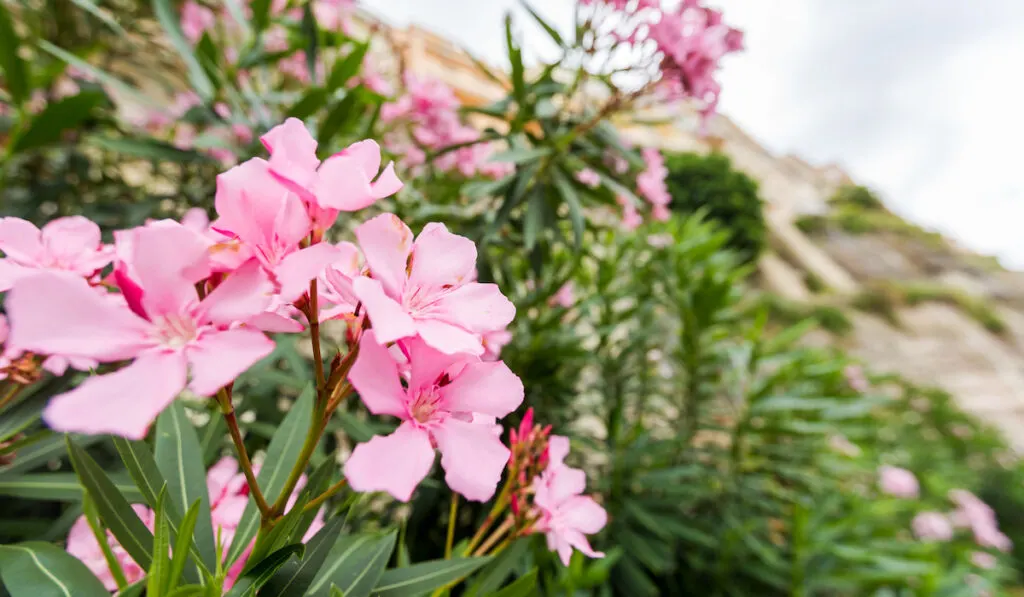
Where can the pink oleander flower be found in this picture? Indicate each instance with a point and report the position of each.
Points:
(450, 401)
(566, 516)
(342, 182)
(975, 514)
(631, 219)
(566, 295)
(983, 559)
(333, 14)
(271, 222)
(70, 245)
(195, 20)
(337, 298)
(651, 183)
(588, 177)
(897, 482)
(82, 544)
(162, 326)
(932, 526)
(425, 288)
(854, 375)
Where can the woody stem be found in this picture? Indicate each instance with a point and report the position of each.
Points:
(228, 410)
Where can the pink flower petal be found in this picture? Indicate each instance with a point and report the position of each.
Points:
(386, 243)
(390, 321)
(60, 314)
(292, 152)
(584, 514)
(479, 308)
(167, 260)
(440, 258)
(248, 202)
(11, 272)
(275, 323)
(488, 388)
(426, 363)
(473, 457)
(20, 239)
(448, 338)
(123, 403)
(217, 358)
(558, 449)
(71, 237)
(243, 295)
(375, 376)
(395, 463)
(387, 183)
(297, 269)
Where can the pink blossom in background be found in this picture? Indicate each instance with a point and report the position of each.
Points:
(6, 355)
(660, 241)
(932, 526)
(650, 183)
(71, 244)
(856, 379)
(566, 295)
(897, 482)
(840, 444)
(425, 287)
(195, 20)
(589, 178)
(975, 514)
(566, 516)
(332, 14)
(447, 402)
(984, 560)
(342, 182)
(163, 328)
(631, 219)
(82, 544)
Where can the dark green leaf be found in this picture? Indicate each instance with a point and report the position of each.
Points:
(311, 32)
(37, 569)
(159, 571)
(295, 577)
(169, 19)
(355, 564)
(282, 453)
(17, 418)
(494, 574)
(114, 509)
(515, 58)
(520, 155)
(260, 14)
(523, 587)
(64, 487)
(425, 577)
(533, 220)
(147, 148)
(575, 209)
(314, 99)
(339, 118)
(179, 457)
(188, 591)
(347, 67)
(184, 543)
(16, 78)
(67, 114)
(43, 451)
(211, 437)
(254, 579)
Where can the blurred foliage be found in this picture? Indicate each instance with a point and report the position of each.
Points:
(729, 196)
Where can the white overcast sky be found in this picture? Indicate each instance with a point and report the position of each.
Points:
(921, 99)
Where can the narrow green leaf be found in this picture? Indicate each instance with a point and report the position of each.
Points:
(575, 209)
(336, 592)
(169, 20)
(150, 149)
(318, 481)
(533, 220)
(16, 77)
(184, 544)
(37, 569)
(555, 35)
(253, 580)
(135, 590)
(101, 75)
(355, 564)
(99, 531)
(57, 117)
(515, 58)
(282, 453)
(159, 571)
(314, 99)
(179, 457)
(19, 417)
(114, 509)
(279, 536)
(260, 14)
(43, 451)
(494, 574)
(339, 118)
(211, 437)
(347, 67)
(61, 487)
(520, 155)
(425, 577)
(295, 577)
(525, 586)
(312, 34)
(101, 14)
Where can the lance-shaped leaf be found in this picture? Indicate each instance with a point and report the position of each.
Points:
(425, 577)
(355, 565)
(37, 569)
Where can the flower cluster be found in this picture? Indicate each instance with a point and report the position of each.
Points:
(684, 44)
(229, 494)
(898, 482)
(546, 495)
(429, 114)
(651, 183)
